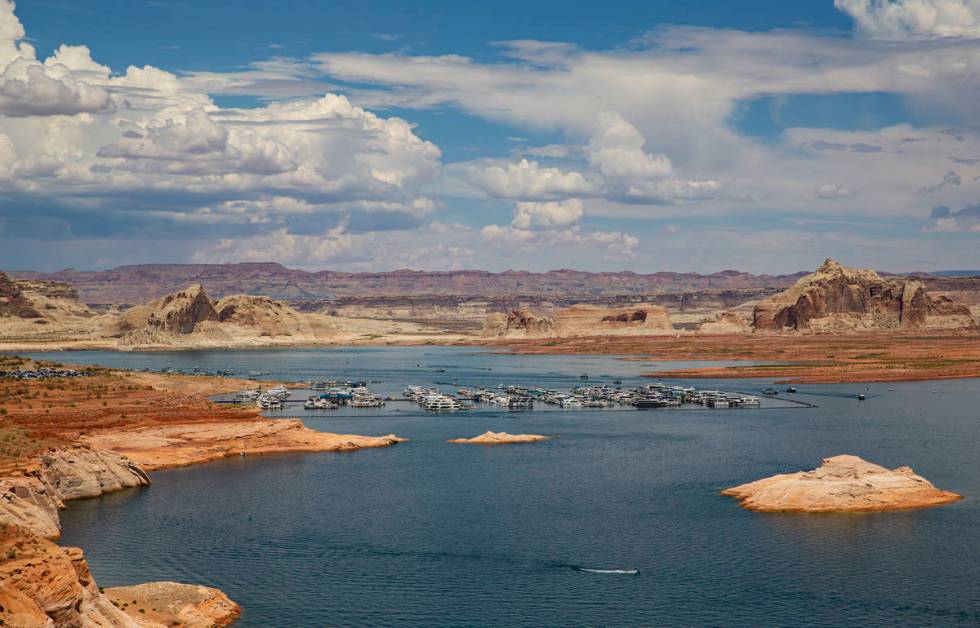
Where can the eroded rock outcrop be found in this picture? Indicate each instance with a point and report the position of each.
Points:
(177, 313)
(42, 584)
(581, 320)
(836, 298)
(175, 604)
(841, 484)
(592, 320)
(498, 438)
(518, 323)
(33, 497)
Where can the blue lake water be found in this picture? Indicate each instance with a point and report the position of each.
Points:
(428, 533)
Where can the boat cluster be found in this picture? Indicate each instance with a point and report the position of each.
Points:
(332, 395)
(42, 373)
(271, 399)
(433, 400)
(604, 396)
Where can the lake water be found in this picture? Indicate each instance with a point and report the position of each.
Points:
(427, 533)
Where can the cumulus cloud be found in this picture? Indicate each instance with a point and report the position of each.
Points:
(901, 19)
(526, 180)
(96, 152)
(29, 87)
(556, 224)
(547, 215)
(831, 190)
(615, 166)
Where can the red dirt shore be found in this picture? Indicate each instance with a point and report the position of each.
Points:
(792, 358)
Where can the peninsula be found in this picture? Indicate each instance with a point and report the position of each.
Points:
(74, 433)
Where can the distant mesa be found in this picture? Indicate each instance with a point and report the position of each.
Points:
(838, 298)
(498, 438)
(841, 484)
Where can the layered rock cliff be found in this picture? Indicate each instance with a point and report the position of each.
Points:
(519, 323)
(635, 320)
(837, 298)
(33, 495)
(43, 585)
(39, 300)
(581, 320)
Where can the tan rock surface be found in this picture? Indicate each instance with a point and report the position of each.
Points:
(642, 319)
(166, 446)
(841, 484)
(519, 323)
(838, 298)
(176, 313)
(498, 438)
(33, 496)
(175, 604)
(42, 584)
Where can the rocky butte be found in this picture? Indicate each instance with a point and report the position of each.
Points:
(842, 484)
(838, 298)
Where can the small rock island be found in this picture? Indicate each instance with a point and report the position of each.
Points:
(499, 438)
(841, 484)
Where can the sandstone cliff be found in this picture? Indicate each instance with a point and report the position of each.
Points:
(176, 313)
(39, 300)
(33, 495)
(635, 320)
(519, 323)
(841, 484)
(579, 321)
(43, 585)
(838, 298)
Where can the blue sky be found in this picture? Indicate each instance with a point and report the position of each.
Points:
(645, 136)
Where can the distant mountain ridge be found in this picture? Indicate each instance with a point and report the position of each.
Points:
(140, 283)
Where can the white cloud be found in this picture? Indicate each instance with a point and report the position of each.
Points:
(526, 180)
(901, 19)
(29, 87)
(555, 224)
(74, 135)
(547, 215)
(616, 151)
(831, 190)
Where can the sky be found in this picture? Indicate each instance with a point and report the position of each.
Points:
(647, 136)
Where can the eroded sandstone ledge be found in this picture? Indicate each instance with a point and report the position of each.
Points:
(498, 438)
(841, 484)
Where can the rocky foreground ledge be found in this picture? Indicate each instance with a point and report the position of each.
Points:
(498, 438)
(842, 484)
(168, 446)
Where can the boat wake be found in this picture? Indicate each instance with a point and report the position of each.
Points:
(621, 572)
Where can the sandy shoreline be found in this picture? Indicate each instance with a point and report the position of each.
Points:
(787, 358)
